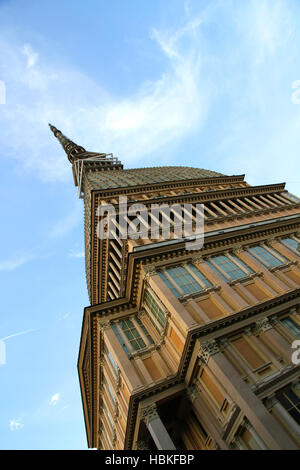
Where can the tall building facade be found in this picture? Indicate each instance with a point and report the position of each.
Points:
(189, 349)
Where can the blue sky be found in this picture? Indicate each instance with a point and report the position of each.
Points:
(166, 82)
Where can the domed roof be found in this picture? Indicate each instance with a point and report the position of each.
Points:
(141, 176)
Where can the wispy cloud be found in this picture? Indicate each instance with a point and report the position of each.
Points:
(30, 54)
(14, 263)
(38, 92)
(25, 332)
(54, 399)
(15, 424)
(76, 254)
(241, 68)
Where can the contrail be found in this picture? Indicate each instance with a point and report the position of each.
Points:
(18, 334)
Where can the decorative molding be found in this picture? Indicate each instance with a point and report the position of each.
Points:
(237, 249)
(192, 393)
(149, 271)
(207, 349)
(141, 445)
(262, 325)
(104, 325)
(149, 413)
(197, 258)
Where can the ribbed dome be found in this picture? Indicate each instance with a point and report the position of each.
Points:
(137, 176)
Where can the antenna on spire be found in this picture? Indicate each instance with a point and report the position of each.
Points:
(84, 161)
(72, 150)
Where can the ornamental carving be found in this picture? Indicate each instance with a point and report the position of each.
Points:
(149, 271)
(104, 325)
(149, 413)
(197, 258)
(141, 445)
(262, 325)
(191, 393)
(207, 349)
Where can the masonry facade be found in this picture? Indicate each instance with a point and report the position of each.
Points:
(190, 349)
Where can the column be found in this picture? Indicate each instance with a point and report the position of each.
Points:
(255, 436)
(232, 352)
(285, 416)
(210, 421)
(156, 428)
(270, 431)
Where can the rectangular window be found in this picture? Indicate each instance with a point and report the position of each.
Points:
(142, 326)
(265, 257)
(184, 280)
(229, 267)
(291, 243)
(155, 309)
(111, 360)
(248, 352)
(105, 382)
(115, 330)
(292, 197)
(200, 275)
(291, 402)
(291, 325)
(132, 334)
(169, 284)
(109, 418)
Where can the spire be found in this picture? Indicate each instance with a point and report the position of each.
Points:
(72, 150)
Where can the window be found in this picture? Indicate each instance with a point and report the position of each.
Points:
(142, 326)
(291, 402)
(109, 389)
(291, 325)
(184, 280)
(292, 197)
(109, 418)
(132, 334)
(265, 257)
(169, 284)
(291, 243)
(200, 275)
(115, 330)
(229, 267)
(111, 360)
(155, 309)
(247, 351)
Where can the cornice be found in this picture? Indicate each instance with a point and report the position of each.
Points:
(170, 184)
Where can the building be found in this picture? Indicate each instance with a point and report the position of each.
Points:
(190, 349)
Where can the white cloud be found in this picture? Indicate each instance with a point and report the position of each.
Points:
(39, 92)
(76, 254)
(30, 54)
(54, 399)
(14, 263)
(25, 332)
(234, 61)
(15, 424)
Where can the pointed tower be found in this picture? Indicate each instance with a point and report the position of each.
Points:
(83, 161)
(189, 349)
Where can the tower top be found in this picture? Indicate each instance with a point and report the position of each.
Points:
(84, 161)
(72, 150)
